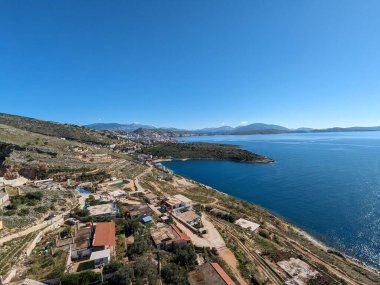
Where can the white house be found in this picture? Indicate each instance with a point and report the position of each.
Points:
(245, 224)
(101, 257)
(190, 217)
(179, 203)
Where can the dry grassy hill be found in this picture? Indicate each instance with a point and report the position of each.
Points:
(67, 131)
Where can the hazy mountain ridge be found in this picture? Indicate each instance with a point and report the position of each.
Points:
(255, 128)
(120, 127)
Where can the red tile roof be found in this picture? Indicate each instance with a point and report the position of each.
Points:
(223, 274)
(181, 234)
(104, 234)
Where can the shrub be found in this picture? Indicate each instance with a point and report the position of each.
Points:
(34, 195)
(278, 255)
(9, 213)
(65, 232)
(17, 200)
(173, 274)
(23, 212)
(11, 207)
(41, 209)
(138, 247)
(83, 278)
(81, 212)
(186, 257)
(264, 233)
(31, 202)
(321, 280)
(112, 267)
(123, 276)
(145, 269)
(131, 226)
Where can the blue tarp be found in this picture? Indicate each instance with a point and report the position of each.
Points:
(84, 191)
(147, 219)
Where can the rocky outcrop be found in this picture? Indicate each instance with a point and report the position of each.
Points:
(5, 151)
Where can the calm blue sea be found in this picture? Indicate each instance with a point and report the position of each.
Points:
(326, 183)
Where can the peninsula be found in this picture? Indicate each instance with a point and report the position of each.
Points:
(200, 150)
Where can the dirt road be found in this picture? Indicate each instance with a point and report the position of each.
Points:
(136, 180)
(229, 257)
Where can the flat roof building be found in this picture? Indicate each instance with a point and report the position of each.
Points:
(178, 203)
(299, 270)
(183, 199)
(139, 211)
(102, 209)
(151, 198)
(81, 244)
(168, 236)
(189, 217)
(118, 193)
(245, 224)
(101, 257)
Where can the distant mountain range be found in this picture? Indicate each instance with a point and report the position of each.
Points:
(121, 127)
(256, 128)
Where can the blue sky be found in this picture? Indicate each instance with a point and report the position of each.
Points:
(192, 64)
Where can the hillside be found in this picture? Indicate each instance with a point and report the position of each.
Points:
(34, 155)
(67, 131)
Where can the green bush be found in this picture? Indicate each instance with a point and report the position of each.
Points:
(34, 195)
(65, 232)
(82, 212)
(9, 213)
(11, 207)
(41, 209)
(186, 257)
(264, 233)
(83, 278)
(138, 247)
(173, 274)
(112, 267)
(31, 202)
(23, 212)
(17, 200)
(145, 269)
(123, 276)
(131, 226)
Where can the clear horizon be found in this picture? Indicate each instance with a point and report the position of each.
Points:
(193, 64)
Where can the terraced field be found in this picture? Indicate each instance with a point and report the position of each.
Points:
(10, 252)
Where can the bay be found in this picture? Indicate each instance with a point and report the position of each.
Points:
(328, 184)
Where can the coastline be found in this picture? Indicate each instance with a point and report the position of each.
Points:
(309, 237)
